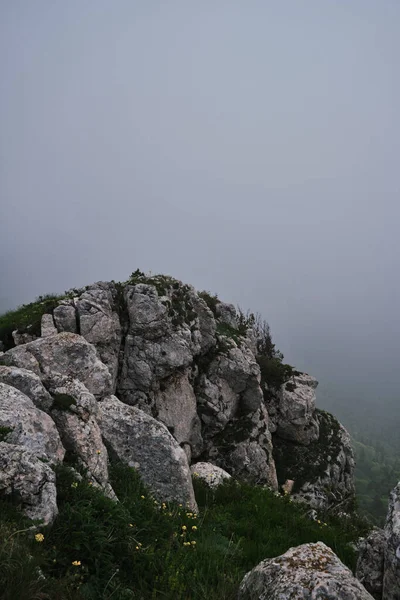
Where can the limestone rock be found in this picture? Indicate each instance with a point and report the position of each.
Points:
(66, 354)
(65, 317)
(30, 427)
(302, 573)
(294, 417)
(100, 325)
(30, 481)
(226, 313)
(370, 563)
(391, 579)
(212, 475)
(47, 326)
(22, 338)
(145, 444)
(29, 384)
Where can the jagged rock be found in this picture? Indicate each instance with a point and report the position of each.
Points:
(29, 384)
(22, 338)
(292, 410)
(226, 313)
(212, 475)
(30, 427)
(30, 482)
(370, 563)
(65, 317)
(74, 412)
(323, 471)
(47, 326)
(176, 408)
(66, 354)
(204, 326)
(391, 579)
(100, 325)
(145, 444)
(302, 573)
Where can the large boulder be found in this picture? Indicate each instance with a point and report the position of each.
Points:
(391, 579)
(29, 427)
(47, 326)
(140, 441)
(310, 571)
(100, 325)
(209, 474)
(74, 411)
(292, 410)
(29, 481)
(65, 317)
(370, 563)
(29, 384)
(66, 354)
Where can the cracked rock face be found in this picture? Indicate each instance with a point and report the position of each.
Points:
(30, 427)
(66, 354)
(391, 579)
(31, 482)
(141, 442)
(370, 563)
(29, 384)
(302, 573)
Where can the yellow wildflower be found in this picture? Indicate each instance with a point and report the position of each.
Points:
(74, 485)
(130, 525)
(184, 527)
(142, 497)
(194, 528)
(39, 537)
(76, 563)
(98, 451)
(193, 543)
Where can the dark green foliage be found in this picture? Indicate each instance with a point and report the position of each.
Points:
(273, 372)
(307, 463)
(136, 548)
(4, 431)
(230, 332)
(211, 300)
(63, 401)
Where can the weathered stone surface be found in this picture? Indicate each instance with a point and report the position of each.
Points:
(47, 326)
(30, 481)
(67, 354)
(100, 325)
(145, 444)
(176, 408)
(22, 338)
(391, 579)
(307, 572)
(29, 384)
(226, 313)
(212, 475)
(370, 563)
(65, 317)
(292, 410)
(31, 428)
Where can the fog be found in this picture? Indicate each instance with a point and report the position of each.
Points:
(251, 149)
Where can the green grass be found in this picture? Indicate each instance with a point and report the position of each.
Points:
(136, 548)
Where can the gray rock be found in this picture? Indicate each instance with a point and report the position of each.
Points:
(100, 325)
(212, 475)
(29, 384)
(176, 408)
(47, 326)
(370, 563)
(391, 579)
(65, 318)
(22, 338)
(30, 427)
(310, 571)
(31, 482)
(226, 313)
(295, 415)
(145, 444)
(66, 354)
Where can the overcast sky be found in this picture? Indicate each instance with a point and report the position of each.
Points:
(249, 148)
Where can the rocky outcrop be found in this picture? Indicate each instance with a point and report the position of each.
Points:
(29, 384)
(141, 442)
(100, 325)
(322, 471)
(67, 354)
(47, 326)
(29, 481)
(210, 474)
(391, 578)
(370, 563)
(28, 426)
(65, 317)
(305, 572)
